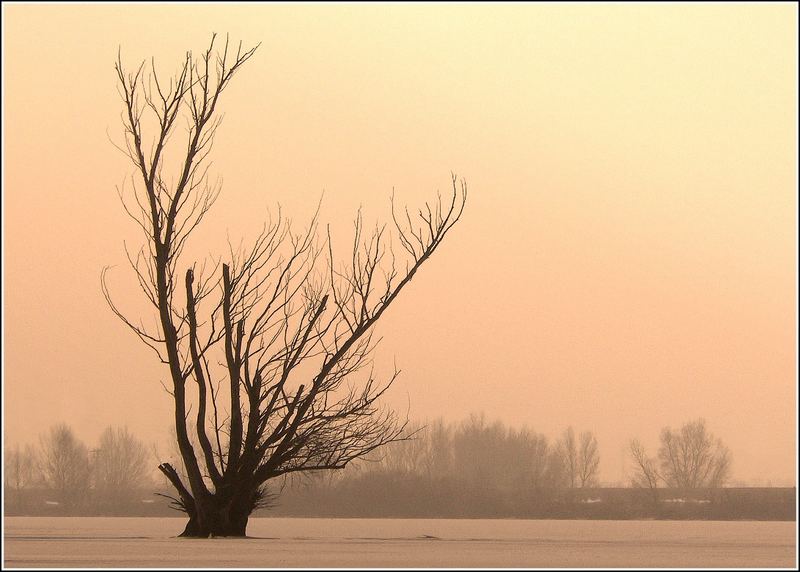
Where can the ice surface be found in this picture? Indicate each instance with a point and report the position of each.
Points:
(301, 542)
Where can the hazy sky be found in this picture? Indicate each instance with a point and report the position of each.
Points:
(627, 259)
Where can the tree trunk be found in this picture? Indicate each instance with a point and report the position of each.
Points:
(219, 516)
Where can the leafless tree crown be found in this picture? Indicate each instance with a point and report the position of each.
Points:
(690, 458)
(64, 463)
(580, 458)
(693, 458)
(267, 345)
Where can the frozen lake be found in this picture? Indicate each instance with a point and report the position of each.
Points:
(303, 542)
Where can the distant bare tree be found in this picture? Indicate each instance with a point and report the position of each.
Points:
(402, 457)
(65, 465)
(555, 474)
(645, 471)
(437, 460)
(289, 329)
(20, 468)
(20, 475)
(491, 456)
(120, 465)
(588, 460)
(530, 456)
(567, 451)
(478, 451)
(692, 458)
(579, 458)
(427, 452)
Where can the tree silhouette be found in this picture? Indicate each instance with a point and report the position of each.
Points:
(120, 466)
(289, 387)
(65, 465)
(692, 458)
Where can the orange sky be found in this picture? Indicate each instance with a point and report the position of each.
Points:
(628, 255)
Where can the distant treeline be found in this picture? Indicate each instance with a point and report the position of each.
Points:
(371, 498)
(472, 469)
(476, 469)
(63, 476)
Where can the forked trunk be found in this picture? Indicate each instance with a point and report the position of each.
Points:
(217, 517)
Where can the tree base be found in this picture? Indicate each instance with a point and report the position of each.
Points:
(215, 525)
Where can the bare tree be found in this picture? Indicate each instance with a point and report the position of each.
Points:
(692, 458)
(120, 465)
(645, 471)
(20, 474)
(567, 450)
(530, 454)
(65, 465)
(291, 330)
(556, 475)
(588, 460)
(20, 468)
(579, 458)
(404, 457)
(478, 452)
(437, 456)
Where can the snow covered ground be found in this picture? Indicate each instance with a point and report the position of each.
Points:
(299, 542)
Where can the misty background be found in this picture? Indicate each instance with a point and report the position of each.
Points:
(475, 468)
(627, 261)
